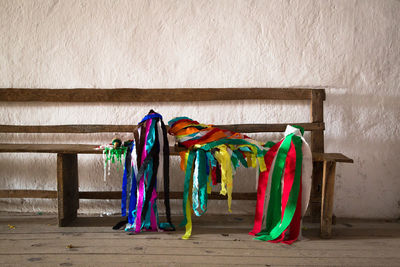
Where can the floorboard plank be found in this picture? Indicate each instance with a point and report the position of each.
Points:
(181, 248)
(120, 260)
(216, 241)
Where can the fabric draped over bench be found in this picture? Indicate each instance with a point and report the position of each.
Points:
(147, 161)
(214, 154)
(288, 182)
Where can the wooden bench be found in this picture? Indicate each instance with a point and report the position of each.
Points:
(68, 194)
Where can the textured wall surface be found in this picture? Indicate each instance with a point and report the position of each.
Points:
(349, 47)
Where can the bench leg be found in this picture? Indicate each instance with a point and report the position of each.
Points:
(67, 188)
(328, 186)
(316, 192)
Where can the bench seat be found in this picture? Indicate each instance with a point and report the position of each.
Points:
(94, 149)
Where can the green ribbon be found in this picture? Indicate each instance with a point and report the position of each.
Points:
(114, 155)
(203, 179)
(200, 183)
(209, 146)
(240, 157)
(274, 205)
(269, 144)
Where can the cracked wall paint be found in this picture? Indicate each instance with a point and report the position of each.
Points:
(349, 47)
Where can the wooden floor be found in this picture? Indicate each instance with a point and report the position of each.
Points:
(27, 240)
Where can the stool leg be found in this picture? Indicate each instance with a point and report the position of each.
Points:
(67, 188)
(328, 186)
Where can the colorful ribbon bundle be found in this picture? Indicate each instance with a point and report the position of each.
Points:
(288, 181)
(147, 160)
(213, 155)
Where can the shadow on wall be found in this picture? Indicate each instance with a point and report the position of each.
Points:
(360, 113)
(357, 122)
(365, 128)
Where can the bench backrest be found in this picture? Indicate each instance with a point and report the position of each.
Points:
(314, 97)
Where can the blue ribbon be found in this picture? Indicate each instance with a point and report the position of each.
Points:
(127, 170)
(151, 116)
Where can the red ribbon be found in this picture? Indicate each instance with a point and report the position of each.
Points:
(262, 187)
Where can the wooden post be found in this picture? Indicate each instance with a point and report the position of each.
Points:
(67, 187)
(317, 145)
(327, 198)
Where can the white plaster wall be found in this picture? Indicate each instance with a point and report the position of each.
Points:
(350, 47)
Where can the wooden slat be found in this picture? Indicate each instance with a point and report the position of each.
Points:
(50, 148)
(111, 195)
(269, 128)
(100, 128)
(333, 157)
(153, 95)
(93, 149)
(100, 195)
(82, 128)
(172, 195)
(62, 148)
(28, 194)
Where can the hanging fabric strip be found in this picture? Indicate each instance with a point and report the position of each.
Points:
(133, 196)
(141, 178)
(212, 157)
(126, 180)
(151, 194)
(294, 192)
(188, 174)
(287, 183)
(144, 165)
(261, 189)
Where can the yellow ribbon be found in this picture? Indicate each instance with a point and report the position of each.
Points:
(188, 225)
(224, 159)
